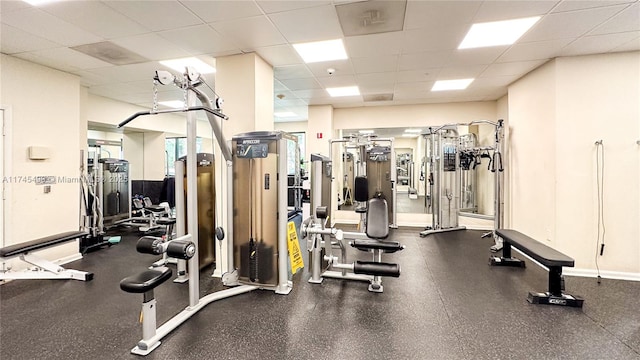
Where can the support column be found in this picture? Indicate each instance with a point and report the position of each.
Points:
(245, 82)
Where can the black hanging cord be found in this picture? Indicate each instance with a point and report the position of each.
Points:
(600, 185)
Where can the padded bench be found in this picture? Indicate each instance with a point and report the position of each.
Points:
(44, 269)
(545, 255)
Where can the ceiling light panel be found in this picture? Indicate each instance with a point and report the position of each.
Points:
(181, 64)
(497, 33)
(458, 84)
(318, 51)
(344, 91)
(284, 114)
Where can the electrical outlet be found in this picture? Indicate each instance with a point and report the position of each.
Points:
(47, 189)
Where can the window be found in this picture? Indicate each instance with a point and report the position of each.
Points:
(176, 148)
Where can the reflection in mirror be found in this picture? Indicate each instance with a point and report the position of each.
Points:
(414, 175)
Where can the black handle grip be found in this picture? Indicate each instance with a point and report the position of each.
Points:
(130, 118)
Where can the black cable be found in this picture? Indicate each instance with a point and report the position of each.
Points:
(600, 243)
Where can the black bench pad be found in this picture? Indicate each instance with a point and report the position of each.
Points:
(36, 244)
(145, 281)
(540, 252)
(386, 246)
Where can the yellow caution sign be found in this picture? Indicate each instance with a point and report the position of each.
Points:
(295, 255)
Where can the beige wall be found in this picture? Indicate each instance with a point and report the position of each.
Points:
(556, 114)
(45, 107)
(146, 155)
(412, 115)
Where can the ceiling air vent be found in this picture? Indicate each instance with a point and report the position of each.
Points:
(371, 17)
(111, 53)
(378, 97)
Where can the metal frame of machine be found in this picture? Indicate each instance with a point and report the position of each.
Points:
(364, 143)
(435, 138)
(323, 239)
(189, 83)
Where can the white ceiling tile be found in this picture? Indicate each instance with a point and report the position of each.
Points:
(299, 71)
(598, 44)
(375, 64)
(418, 86)
(152, 46)
(337, 81)
(507, 10)
(9, 6)
(292, 102)
(278, 86)
(533, 51)
(199, 39)
(250, 33)
(511, 68)
(47, 26)
(341, 67)
(633, 45)
(493, 82)
(71, 58)
(439, 13)
(461, 72)
(417, 75)
(14, 40)
(429, 38)
(627, 20)
(89, 78)
(424, 60)
(571, 5)
(476, 56)
(569, 24)
(376, 89)
(301, 84)
(271, 6)
(371, 79)
(310, 93)
(213, 11)
(374, 45)
(319, 23)
(95, 17)
(279, 55)
(128, 73)
(156, 15)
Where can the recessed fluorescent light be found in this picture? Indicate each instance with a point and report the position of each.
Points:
(410, 135)
(415, 131)
(318, 51)
(181, 64)
(284, 114)
(344, 91)
(459, 84)
(176, 104)
(366, 131)
(497, 33)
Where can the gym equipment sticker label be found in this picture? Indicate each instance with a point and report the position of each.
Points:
(295, 255)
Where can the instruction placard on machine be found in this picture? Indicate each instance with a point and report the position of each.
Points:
(251, 149)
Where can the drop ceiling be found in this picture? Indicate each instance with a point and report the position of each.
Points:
(394, 58)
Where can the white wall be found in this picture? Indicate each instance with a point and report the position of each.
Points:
(556, 113)
(45, 106)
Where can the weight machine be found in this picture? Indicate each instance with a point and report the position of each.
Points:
(445, 147)
(322, 241)
(145, 282)
(375, 173)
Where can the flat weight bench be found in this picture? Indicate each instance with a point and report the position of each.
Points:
(551, 258)
(44, 269)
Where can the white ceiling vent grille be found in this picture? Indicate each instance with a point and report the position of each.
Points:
(111, 53)
(371, 17)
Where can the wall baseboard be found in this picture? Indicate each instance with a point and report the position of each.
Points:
(68, 259)
(615, 275)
